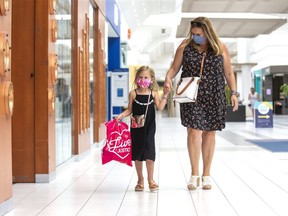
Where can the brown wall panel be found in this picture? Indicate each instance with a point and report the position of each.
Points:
(52, 143)
(23, 168)
(99, 76)
(5, 126)
(5, 159)
(43, 50)
(33, 128)
(75, 78)
(101, 4)
(23, 80)
(81, 138)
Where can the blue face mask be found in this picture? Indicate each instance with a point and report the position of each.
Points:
(198, 39)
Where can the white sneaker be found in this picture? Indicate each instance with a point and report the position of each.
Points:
(206, 183)
(193, 183)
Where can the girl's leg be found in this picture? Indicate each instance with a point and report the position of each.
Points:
(150, 170)
(139, 170)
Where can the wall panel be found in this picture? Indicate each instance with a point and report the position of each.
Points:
(5, 124)
(33, 134)
(23, 79)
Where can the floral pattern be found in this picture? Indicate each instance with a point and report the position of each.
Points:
(208, 113)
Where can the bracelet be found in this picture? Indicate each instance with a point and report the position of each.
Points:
(234, 92)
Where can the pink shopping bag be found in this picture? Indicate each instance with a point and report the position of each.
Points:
(118, 143)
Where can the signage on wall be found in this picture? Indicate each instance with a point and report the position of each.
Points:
(119, 88)
(268, 91)
(263, 114)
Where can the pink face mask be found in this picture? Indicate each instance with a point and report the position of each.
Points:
(144, 83)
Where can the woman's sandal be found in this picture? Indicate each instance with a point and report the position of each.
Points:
(206, 183)
(139, 187)
(153, 187)
(193, 183)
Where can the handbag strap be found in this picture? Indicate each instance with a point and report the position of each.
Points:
(147, 105)
(192, 78)
(202, 63)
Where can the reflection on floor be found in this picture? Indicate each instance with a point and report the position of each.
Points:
(247, 180)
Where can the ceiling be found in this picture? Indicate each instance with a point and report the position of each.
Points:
(235, 27)
(157, 25)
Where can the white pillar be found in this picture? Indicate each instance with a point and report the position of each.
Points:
(244, 81)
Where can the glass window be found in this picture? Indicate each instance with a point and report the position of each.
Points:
(63, 104)
(91, 60)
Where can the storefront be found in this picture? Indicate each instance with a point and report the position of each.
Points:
(58, 55)
(271, 79)
(57, 71)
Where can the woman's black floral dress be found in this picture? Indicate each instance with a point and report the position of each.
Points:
(208, 113)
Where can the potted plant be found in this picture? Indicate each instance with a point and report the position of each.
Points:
(228, 94)
(284, 90)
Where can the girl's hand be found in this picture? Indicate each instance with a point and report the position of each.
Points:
(119, 117)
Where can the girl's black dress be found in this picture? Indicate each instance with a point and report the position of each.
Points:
(143, 139)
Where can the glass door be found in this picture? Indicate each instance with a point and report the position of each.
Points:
(91, 63)
(63, 104)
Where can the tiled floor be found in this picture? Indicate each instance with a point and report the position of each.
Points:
(247, 180)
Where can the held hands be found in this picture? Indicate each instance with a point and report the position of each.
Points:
(167, 86)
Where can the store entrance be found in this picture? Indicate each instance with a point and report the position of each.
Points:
(63, 100)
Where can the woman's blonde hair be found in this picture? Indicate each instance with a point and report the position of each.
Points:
(205, 24)
(154, 84)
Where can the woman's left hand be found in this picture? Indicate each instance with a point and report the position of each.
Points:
(234, 102)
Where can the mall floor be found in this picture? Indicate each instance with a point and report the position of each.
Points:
(247, 180)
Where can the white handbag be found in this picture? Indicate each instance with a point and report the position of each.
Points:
(187, 87)
(187, 90)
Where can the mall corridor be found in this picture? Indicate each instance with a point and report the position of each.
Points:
(247, 180)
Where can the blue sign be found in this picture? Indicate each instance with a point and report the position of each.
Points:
(120, 92)
(263, 114)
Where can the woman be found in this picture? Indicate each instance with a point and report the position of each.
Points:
(203, 118)
(253, 97)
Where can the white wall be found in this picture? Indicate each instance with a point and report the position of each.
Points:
(270, 49)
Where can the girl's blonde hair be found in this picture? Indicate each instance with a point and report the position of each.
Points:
(154, 84)
(205, 24)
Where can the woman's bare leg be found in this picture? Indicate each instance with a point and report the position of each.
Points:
(194, 148)
(208, 148)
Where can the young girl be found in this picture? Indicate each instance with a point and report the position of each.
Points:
(143, 140)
